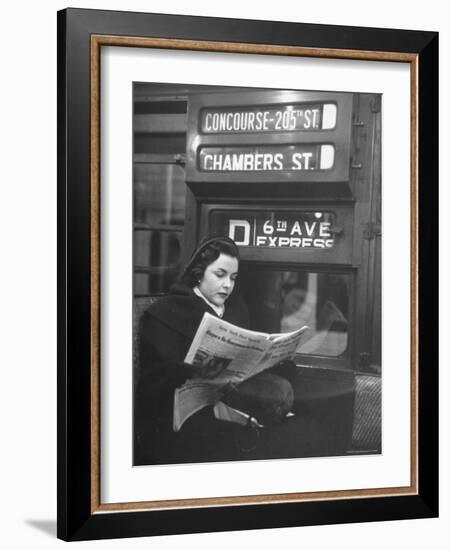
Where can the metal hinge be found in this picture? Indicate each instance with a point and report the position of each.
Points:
(371, 230)
(180, 159)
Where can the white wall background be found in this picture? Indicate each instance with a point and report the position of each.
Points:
(28, 275)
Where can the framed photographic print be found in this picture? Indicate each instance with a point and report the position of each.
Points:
(247, 274)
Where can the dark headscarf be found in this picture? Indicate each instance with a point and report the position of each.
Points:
(204, 243)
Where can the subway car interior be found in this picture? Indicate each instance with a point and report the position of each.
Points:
(294, 178)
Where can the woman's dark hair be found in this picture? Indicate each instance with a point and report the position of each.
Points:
(205, 255)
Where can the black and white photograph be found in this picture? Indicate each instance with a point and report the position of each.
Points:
(223, 287)
(257, 246)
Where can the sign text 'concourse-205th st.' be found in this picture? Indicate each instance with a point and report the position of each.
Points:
(284, 118)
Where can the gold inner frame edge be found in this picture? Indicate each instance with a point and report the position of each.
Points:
(97, 41)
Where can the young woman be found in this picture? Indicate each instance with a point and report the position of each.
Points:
(166, 332)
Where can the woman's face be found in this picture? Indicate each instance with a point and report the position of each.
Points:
(218, 279)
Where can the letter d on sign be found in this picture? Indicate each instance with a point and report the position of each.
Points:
(236, 225)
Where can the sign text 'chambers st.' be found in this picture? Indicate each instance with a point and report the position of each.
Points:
(267, 158)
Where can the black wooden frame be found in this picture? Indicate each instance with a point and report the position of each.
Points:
(76, 518)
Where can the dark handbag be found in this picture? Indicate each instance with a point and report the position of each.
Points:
(267, 397)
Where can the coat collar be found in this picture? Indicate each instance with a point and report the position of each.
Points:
(181, 310)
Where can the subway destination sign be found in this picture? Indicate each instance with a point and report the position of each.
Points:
(277, 229)
(267, 158)
(283, 118)
(262, 136)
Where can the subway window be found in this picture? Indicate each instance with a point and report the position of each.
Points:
(159, 189)
(292, 299)
(159, 198)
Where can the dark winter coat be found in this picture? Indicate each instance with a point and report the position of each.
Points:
(166, 331)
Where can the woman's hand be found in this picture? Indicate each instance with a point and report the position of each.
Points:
(190, 371)
(209, 370)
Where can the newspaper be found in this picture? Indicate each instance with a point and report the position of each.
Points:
(225, 356)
